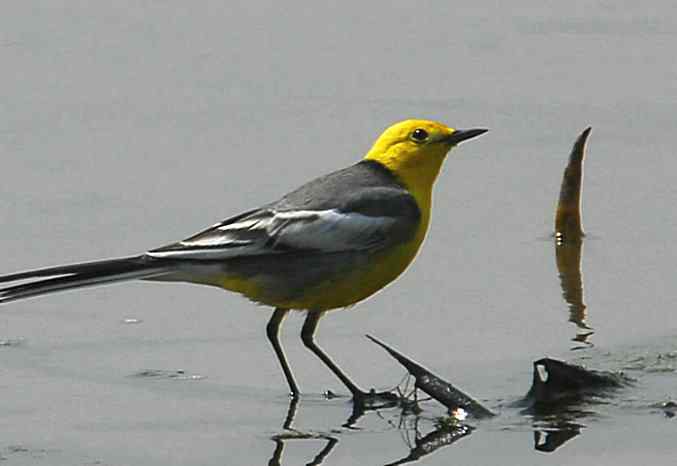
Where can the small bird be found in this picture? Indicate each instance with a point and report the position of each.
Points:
(329, 244)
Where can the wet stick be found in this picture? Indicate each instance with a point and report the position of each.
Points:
(439, 389)
(568, 225)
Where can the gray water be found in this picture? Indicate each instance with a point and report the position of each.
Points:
(127, 125)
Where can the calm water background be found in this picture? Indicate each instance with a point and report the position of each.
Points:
(128, 125)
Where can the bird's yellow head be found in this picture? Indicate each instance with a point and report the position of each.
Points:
(415, 149)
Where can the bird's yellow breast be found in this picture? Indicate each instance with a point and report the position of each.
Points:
(362, 282)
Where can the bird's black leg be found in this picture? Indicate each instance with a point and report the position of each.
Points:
(307, 334)
(273, 332)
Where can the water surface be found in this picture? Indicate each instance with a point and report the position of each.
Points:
(130, 125)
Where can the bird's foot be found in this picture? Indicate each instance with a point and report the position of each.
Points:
(375, 400)
(368, 401)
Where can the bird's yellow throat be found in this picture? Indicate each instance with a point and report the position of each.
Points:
(415, 163)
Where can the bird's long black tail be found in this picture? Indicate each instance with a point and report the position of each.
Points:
(66, 277)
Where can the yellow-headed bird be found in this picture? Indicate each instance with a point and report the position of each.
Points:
(328, 244)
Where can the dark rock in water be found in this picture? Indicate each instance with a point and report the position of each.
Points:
(557, 382)
(439, 389)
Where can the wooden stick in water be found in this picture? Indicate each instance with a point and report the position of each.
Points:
(439, 389)
(568, 224)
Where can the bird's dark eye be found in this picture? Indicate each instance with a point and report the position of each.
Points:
(419, 135)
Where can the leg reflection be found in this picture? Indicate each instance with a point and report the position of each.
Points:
(292, 434)
(320, 457)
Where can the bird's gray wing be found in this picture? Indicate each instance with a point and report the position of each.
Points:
(368, 219)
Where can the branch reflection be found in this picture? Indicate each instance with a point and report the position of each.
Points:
(568, 256)
(445, 431)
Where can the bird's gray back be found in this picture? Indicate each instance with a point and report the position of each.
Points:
(331, 190)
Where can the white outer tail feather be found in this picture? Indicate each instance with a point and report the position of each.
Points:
(49, 280)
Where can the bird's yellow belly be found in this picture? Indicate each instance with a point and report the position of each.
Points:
(358, 284)
(348, 285)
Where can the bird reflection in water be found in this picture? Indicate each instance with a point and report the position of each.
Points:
(569, 241)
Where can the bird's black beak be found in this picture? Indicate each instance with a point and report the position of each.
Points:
(461, 135)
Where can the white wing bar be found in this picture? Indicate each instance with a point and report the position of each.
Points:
(313, 230)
